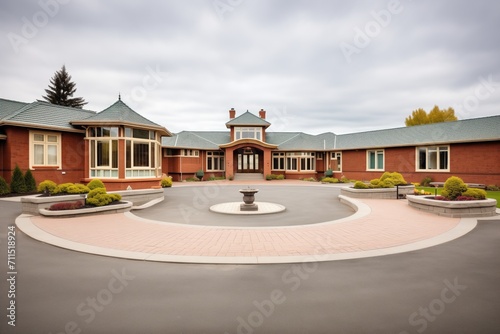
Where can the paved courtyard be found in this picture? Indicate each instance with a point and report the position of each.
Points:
(448, 287)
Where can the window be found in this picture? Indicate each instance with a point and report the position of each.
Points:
(45, 149)
(141, 158)
(319, 156)
(305, 160)
(190, 153)
(434, 158)
(337, 161)
(215, 161)
(242, 133)
(278, 161)
(375, 160)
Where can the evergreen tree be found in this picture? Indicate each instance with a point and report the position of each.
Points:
(30, 182)
(17, 185)
(4, 187)
(436, 115)
(61, 90)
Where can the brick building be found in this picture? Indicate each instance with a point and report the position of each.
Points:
(122, 148)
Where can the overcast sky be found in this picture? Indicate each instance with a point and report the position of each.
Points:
(314, 66)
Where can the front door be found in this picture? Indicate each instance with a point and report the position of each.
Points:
(248, 161)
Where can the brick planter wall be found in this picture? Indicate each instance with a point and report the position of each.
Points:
(455, 209)
(380, 193)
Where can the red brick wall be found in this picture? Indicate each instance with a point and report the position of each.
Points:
(16, 151)
(473, 162)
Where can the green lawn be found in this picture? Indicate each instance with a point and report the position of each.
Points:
(489, 194)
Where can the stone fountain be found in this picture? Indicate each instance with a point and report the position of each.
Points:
(248, 199)
(248, 207)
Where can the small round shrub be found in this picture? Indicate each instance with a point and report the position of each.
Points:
(17, 185)
(95, 183)
(375, 183)
(493, 187)
(30, 182)
(360, 185)
(98, 197)
(388, 183)
(4, 187)
(47, 186)
(280, 177)
(78, 188)
(330, 180)
(344, 179)
(475, 193)
(395, 177)
(62, 188)
(166, 182)
(453, 187)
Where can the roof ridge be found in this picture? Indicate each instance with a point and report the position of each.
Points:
(205, 139)
(297, 134)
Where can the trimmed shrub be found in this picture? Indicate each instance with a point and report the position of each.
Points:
(47, 186)
(330, 180)
(17, 185)
(99, 197)
(166, 182)
(280, 177)
(62, 188)
(453, 187)
(78, 188)
(199, 174)
(493, 187)
(66, 206)
(395, 178)
(30, 182)
(474, 193)
(375, 183)
(95, 183)
(309, 179)
(426, 181)
(360, 185)
(329, 173)
(4, 187)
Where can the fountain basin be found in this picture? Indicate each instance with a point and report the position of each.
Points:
(248, 200)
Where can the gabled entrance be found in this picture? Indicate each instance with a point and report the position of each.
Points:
(248, 160)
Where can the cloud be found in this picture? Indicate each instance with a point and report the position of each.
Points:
(282, 56)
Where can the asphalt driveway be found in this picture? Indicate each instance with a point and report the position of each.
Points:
(450, 288)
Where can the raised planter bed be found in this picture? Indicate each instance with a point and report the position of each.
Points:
(112, 208)
(32, 204)
(378, 193)
(455, 209)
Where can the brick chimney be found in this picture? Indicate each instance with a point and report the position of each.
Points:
(262, 114)
(232, 113)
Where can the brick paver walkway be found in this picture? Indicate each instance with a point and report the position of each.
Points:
(390, 223)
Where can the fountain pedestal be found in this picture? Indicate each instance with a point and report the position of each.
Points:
(248, 199)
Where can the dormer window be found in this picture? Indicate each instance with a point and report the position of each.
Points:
(248, 132)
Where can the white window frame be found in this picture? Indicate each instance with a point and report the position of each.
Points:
(45, 145)
(437, 149)
(216, 155)
(377, 152)
(337, 156)
(281, 161)
(257, 133)
(190, 153)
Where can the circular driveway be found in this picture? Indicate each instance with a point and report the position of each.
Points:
(304, 205)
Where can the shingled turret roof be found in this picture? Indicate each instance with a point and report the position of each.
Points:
(121, 114)
(248, 119)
